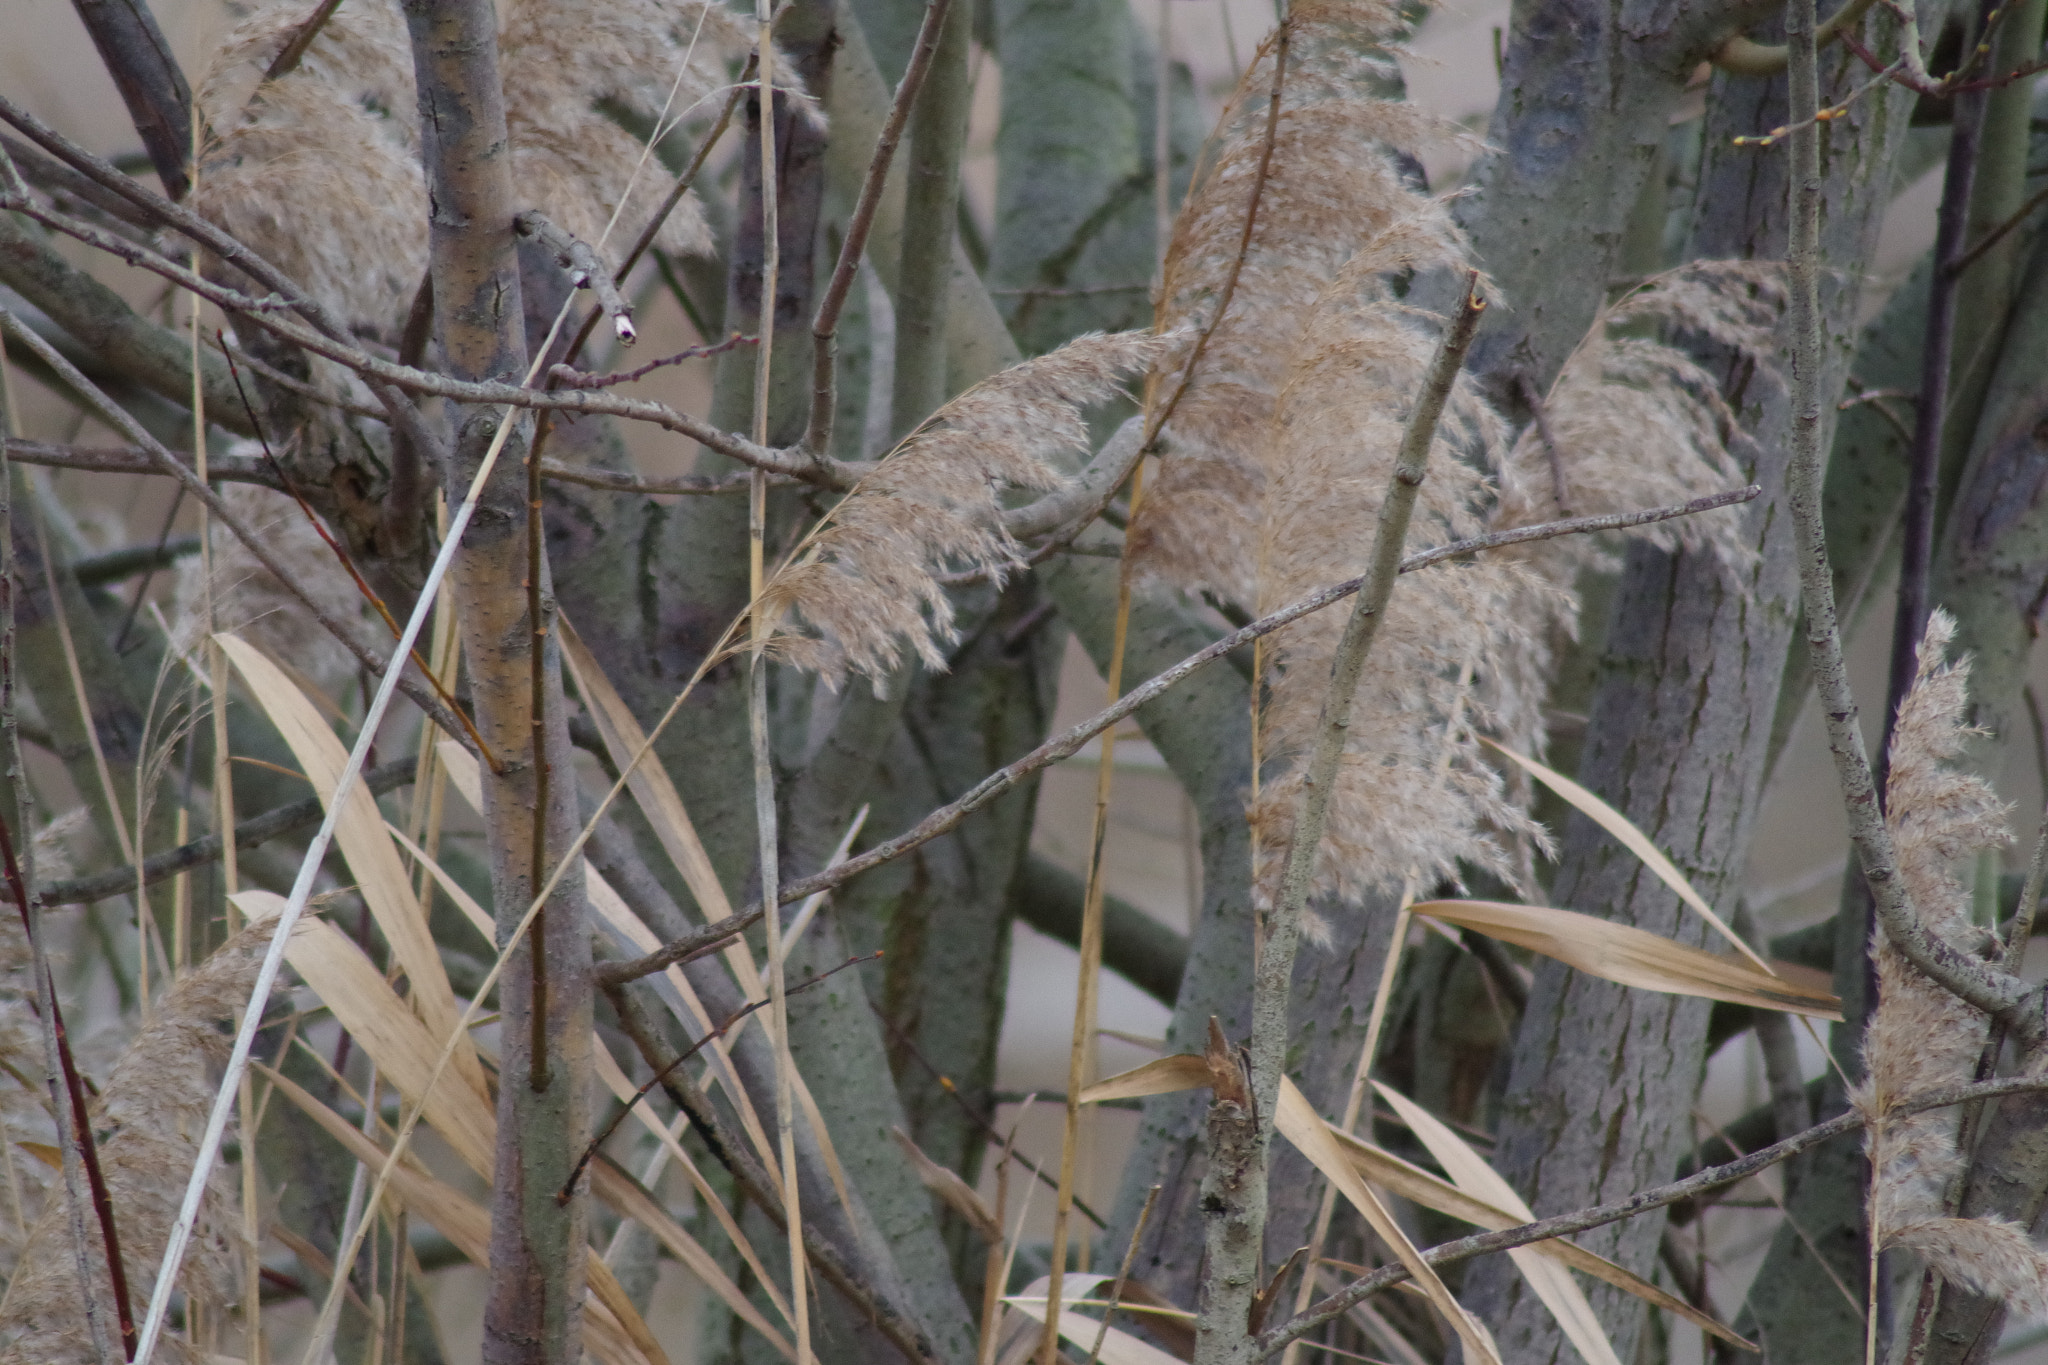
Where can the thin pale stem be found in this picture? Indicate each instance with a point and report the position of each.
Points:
(1241, 1143)
(1983, 985)
(1081, 1050)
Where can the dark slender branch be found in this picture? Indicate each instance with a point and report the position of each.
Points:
(699, 943)
(1923, 486)
(254, 469)
(400, 410)
(1358, 1291)
(582, 266)
(825, 323)
(652, 229)
(1532, 398)
(1155, 424)
(347, 561)
(133, 49)
(257, 829)
(74, 1132)
(1999, 233)
(389, 378)
(122, 421)
(289, 56)
(1070, 741)
(590, 1150)
(97, 571)
(81, 1123)
(902, 1331)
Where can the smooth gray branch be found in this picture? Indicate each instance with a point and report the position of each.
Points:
(582, 266)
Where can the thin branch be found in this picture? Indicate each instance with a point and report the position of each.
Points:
(1532, 398)
(901, 1330)
(569, 377)
(1998, 234)
(1981, 984)
(652, 229)
(348, 563)
(122, 421)
(383, 375)
(289, 56)
(1070, 741)
(1277, 1338)
(825, 322)
(133, 50)
(590, 1150)
(583, 267)
(74, 1133)
(257, 829)
(1282, 39)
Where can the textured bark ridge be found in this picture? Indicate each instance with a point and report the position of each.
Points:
(1678, 738)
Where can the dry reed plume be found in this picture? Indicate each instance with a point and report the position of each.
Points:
(248, 600)
(153, 1105)
(864, 590)
(1921, 1036)
(319, 169)
(1279, 452)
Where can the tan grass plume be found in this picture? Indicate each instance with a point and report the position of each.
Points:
(319, 169)
(864, 590)
(1920, 1036)
(152, 1109)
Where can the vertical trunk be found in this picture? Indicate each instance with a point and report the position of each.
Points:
(534, 1308)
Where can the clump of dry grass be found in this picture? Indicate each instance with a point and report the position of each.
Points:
(251, 602)
(319, 169)
(152, 1109)
(864, 590)
(1920, 1035)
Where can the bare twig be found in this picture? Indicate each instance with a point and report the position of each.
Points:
(1981, 984)
(1998, 234)
(348, 563)
(74, 1133)
(582, 266)
(1532, 398)
(825, 322)
(122, 421)
(289, 56)
(591, 1149)
(1157, 420)
(568, 377)
(901, 1330)
(1070, 741)
(136, 55)
(257, 829)
(1123, 1274)
(1358, 1291)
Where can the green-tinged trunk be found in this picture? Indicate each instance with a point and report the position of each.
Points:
(1679, 729)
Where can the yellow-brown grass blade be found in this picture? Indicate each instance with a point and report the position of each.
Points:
(1635, 957)
(374, 860)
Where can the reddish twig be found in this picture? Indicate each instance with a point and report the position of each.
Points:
(81, 1125)
(569, 377)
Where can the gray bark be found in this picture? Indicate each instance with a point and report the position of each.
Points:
(1680, 727)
